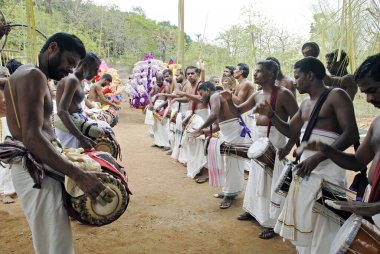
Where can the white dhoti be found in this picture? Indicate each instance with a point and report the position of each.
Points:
(179, 151)
(257, 198)
(160, 129)
(149, 120)
(311, 232)
(233, 167)
(44, 211)
(6, 184)
(196, 159)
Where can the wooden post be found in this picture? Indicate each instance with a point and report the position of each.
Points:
(181, 32)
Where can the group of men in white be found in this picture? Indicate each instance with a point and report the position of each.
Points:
(186, 110)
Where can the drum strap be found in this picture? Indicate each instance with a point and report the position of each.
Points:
(314, 118)
(194, 105)
(159, 91)
(374, 196)
(273, 100)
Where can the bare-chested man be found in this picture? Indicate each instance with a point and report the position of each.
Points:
(158, 104)
(339, 74)
(28, 110)
(257, 203)
(367, 77)
(96, 96)
(227, 117)
(336, 125)
(228, 71)
(283, 80)
(244, 89)
(310, 49)
(196, 160)
(70, 95)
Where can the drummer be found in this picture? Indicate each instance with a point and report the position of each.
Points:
(96, 96)
(368, 78)
(160, 128)
(232, 131)
(70, 95)
(196, 160)
(257, 199)
(335, 124)
(29, 120)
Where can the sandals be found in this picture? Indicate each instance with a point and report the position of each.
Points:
(267, 233)
(245, 216)
(201, 180)
(226, 203)
(219, 195)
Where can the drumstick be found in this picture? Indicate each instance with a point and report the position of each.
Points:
(332, 204)
(301, 148)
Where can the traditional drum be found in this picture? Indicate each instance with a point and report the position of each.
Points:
(228, 148)
(89, 212)
(333, 192)
(105, 144)
(264, 153)
(285, 179)
(355, 237)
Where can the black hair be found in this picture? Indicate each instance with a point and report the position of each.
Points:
(271, 66)
(231, 69)
(219, 88)
(311, 64)
(12, 65)
(67, 42)
(244, 68)
(197, 70)
(314, 46)
(180, 71)
(107, 77)
(207, 85)
(91, 57)
(168, 71)
(371, 65)
(343, 56)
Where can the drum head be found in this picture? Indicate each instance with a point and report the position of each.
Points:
(258, 148)
(106, 145)
(346, 234)
(93, 213)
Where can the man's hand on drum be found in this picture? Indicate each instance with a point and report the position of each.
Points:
(86, 142)
(90, 183)
(308, 165)
(226, 94)
(264, 109)
(357, 207)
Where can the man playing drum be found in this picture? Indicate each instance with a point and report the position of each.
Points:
(367, 77)
(28, 111)
(335, 124)
(196, 160)
(231, 129)
(160, 128)
(96, 96)
(70, 95)
(257, 199)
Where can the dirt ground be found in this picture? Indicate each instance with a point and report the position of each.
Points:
(168, 212)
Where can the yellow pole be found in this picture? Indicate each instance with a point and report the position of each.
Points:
(31, 31)
(181, 32)
(351, 42)
(342, 25)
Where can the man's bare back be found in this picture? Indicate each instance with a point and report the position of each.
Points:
(71, 82)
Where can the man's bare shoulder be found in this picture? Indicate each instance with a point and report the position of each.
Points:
(284, 92)
(28, 72)
(338, 94)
